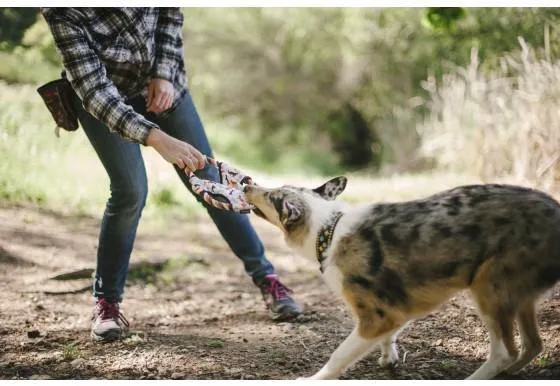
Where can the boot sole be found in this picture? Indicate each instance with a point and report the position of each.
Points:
(109, 336)
(284, 316)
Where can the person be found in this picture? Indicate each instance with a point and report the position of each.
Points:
(126, 68)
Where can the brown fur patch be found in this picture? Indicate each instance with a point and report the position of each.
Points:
(373, 319)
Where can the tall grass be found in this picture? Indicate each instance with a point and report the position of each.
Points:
(504, 124)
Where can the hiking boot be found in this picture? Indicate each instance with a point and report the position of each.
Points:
(277, 298)
(108, 323)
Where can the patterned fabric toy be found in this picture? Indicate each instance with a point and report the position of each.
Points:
(228, 193)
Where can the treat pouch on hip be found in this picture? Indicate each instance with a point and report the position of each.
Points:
(57, 95)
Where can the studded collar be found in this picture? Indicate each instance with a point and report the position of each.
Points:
(324, 237)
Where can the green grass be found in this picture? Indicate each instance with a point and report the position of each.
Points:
(215, 343)
(543, 361)
(183, 269)
(70, 352)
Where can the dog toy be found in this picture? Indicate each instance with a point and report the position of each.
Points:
(227, 194)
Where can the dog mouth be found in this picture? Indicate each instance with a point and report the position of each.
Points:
(249, 193)
(258, 212)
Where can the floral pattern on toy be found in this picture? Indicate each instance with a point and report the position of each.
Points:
(230, 176)
(228, 193)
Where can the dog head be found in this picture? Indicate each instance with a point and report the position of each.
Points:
(291, 208)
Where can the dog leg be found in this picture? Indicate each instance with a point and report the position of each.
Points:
(500, 328)
(349, 352)
(531, 343)
(497, 361)
(389, 352)
(389, 349)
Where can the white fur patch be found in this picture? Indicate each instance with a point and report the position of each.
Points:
(333, 278)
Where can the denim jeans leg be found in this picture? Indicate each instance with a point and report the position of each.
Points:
(184, 123)
(124, 164)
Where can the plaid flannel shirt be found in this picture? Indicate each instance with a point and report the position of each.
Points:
(110, 54)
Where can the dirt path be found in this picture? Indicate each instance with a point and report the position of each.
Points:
(201, 318)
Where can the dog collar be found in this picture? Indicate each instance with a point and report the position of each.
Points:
(324, 238)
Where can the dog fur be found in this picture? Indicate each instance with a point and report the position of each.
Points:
(393, 262)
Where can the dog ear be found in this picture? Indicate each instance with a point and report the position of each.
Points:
(290, 214)
(331, 189)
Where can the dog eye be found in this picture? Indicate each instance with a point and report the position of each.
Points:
(275, 196)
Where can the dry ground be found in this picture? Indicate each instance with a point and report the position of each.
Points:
(201, 317)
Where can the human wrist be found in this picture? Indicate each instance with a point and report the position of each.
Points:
(155, 136)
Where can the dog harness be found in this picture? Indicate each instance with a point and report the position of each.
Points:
(324, 238)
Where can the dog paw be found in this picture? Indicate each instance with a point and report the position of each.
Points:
(386, 361)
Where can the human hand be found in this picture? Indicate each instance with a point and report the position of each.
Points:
(176, 151)
(160, 95)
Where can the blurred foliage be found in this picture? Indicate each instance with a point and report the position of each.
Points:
(294, 75)
(14, 22)
(345, 84)
(444, 18)
(27, 53)
(39, 43)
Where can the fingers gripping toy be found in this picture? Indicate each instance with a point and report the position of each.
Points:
(226, 194)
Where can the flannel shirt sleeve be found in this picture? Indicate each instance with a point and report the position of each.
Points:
(88, 77)
(168, 43)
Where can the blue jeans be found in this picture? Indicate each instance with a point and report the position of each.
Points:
(124, 164)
